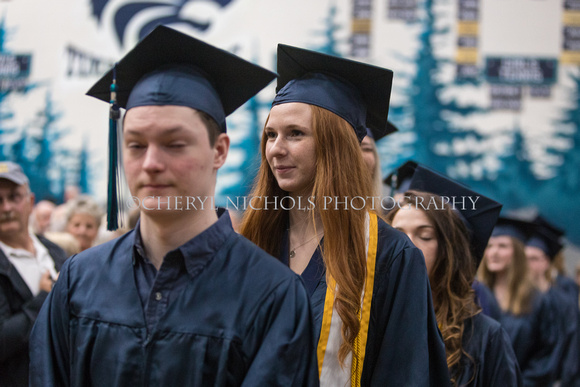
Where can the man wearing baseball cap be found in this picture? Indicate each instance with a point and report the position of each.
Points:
(29, 265)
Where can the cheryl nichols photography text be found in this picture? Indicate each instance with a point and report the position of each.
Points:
(241, 203)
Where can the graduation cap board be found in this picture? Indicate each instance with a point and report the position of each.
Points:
(400, 179)
(377, 135)
(168, 67)
(479, 214)
(513, 227)
(546, 237)
(357, 92)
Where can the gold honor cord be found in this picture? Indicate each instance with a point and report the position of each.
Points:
(360, 343)
(326, 317)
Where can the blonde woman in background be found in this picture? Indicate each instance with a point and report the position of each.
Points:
(83, 218)
(527, 315)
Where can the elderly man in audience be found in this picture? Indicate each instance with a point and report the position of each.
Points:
(29, 265)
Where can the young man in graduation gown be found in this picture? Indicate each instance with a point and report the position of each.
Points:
(182, 300)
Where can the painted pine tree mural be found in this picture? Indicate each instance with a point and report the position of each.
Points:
(425, 134)
(514, 185)
(49, 162)
(84, 171)
(245, 135)
(5, 114)
(568, 174)
(244, 157)
(329, 33)
(559, 195)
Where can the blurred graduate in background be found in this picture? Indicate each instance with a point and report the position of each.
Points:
(527, 314)
(453, 239)
(542, 247)
(398, 182)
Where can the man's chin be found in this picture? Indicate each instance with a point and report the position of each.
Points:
(10, 227)
(161, 211)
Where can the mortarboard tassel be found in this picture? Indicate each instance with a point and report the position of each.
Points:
(113, 185)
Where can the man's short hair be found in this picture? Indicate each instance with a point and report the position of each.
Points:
(213, 129)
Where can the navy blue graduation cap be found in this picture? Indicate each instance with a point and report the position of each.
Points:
(546, 237)
(168, 67)
(479, 218)
(357, 92)
(377, 135)
(400, 179)
(513, 227)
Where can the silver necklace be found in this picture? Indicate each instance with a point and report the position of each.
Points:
(293, 251)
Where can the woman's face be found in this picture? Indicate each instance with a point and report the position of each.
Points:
(84, 228)
(367, 146)
(538, 261)
(290, 147)
(414, 222)
(499, 253)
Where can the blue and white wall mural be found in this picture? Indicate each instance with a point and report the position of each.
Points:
(485, 91)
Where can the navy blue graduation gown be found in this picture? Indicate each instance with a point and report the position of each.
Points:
(568, 286)
(493, 362)
(534, 337)
(568, 347)
(571, 363)
(404, 345)
(486, 300)
(242, 319)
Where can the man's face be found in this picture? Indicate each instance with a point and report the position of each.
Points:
(16, 203)
(42, 213)
(166, 152)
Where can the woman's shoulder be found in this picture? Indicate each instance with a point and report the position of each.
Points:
(490, 352)
(388, 235)
(483, 333)
(485, 325)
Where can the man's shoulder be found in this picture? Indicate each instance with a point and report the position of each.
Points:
(244, 253)
(54, 250)
(119, 247)
(257, 278)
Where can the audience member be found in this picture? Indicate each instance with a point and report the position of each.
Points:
(29, 265)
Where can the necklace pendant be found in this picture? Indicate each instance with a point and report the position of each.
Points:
(292, 254)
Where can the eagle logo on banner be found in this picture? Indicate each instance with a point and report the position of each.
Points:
(155, 12)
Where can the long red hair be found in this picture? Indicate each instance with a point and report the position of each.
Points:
(340, 172)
